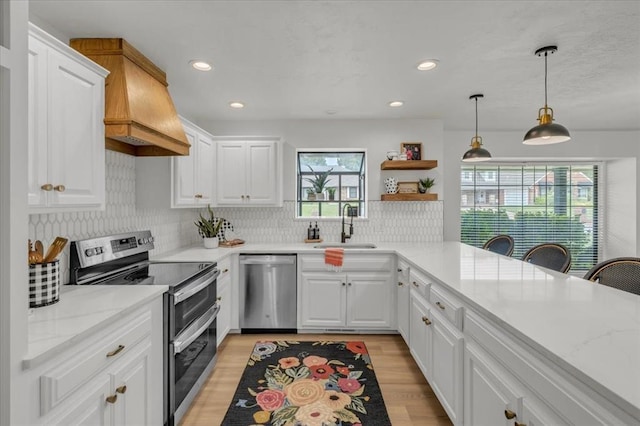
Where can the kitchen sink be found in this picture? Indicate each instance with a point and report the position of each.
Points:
(346, 245)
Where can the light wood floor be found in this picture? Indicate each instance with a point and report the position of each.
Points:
(407, 395)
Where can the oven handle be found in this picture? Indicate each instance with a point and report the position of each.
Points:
(196, 286)
(196, 329)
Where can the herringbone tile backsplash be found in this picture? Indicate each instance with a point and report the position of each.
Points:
(173, 228)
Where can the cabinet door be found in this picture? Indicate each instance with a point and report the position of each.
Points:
(490, 391)
(261, 168)
(184, 171)
(231, 175)
(224, 315)
(131, 387)
(446, 358)
(323, 300)
(89, 407)
(369, 296)
(419, 333)
(204, 170)
(76, 133)
(402, 300)
(37, 149)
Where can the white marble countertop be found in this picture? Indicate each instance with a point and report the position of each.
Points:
(80, 311)
(591, 331)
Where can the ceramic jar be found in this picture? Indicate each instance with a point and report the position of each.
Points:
(392, 155)
(391, 185)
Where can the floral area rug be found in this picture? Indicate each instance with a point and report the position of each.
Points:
(308, 384)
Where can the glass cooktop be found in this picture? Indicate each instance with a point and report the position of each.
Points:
(170, 274)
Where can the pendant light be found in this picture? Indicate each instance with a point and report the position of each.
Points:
(477, 152)
(547, 132)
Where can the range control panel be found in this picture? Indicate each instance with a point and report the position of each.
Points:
(94, 251)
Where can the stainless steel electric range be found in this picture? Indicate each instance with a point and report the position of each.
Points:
(190, 306)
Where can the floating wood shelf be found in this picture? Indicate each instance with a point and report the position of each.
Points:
(408, 164)
(409, 197)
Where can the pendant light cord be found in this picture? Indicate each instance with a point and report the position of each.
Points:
(545, 79)
(476, 117)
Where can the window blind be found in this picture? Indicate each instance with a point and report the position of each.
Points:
(534, 203)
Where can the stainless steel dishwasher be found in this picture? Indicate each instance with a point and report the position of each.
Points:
(268, 289)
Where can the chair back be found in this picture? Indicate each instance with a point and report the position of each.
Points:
(501, 244)
(622, 273)
(549, 255)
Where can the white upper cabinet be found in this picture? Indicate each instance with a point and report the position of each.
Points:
(193, 175)
(66, 165)
(249, 172)
(179, 181)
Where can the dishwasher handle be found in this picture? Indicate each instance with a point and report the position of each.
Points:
(268, 260)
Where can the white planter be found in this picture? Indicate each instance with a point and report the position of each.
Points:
(211, 243)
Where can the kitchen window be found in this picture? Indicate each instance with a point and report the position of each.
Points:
(534, 203)
(329, 180)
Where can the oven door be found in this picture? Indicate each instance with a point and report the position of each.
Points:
(190, 302)
(193, 355)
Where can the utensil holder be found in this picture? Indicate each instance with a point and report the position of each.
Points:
(44, 284)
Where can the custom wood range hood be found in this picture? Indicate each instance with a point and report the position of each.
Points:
(140, 118)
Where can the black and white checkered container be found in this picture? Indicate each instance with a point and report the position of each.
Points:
(44, 284)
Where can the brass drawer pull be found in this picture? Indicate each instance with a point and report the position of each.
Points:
(111, 399)
(519, 424)
(219, 298)
(509, 414)
(426, 320)
(415, 284)
(121, 389)
(440, 305)
(47, 187)
(116, 351)
(399, 269)
(400, 284)
(225, 270)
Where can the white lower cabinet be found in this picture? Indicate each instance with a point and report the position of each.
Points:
(223, 324)
(402, 301)
(115, 377)
(420, 333)
(350, 299)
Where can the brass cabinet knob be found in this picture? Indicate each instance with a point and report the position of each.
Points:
(116, 351)
(440, 305)
(509, 414)
(349, 284)
(121, 389)
(344, 284)
(248, 197)
(59, 188)
(111, 399)
(400, 284)
(47, 187)
(399, 269)
(219, 298)
(415, 284)
(426, 320)
(198, 196)
(242, 196)
(225, 270)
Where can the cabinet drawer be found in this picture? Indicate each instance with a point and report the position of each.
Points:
(419, 283)
(447, 305)
(352, 262)
(58, 383)
(224, 266)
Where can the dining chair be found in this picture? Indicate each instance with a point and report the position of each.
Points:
(549, 255)
(501, 244)
(621, 272)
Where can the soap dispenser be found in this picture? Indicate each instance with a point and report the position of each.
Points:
(310, 233)
(316, 232)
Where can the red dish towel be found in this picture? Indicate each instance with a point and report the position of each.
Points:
(334, 257)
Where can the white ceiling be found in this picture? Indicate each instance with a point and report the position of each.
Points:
(298, 59)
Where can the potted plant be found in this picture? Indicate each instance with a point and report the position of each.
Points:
(319, 182)
(311, 194)
(208, 229)
(424, 185)
(332, 193)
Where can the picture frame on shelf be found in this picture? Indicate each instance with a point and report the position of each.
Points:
(407, 187)
(413, 150)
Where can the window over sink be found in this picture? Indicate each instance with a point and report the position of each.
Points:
(328, 180)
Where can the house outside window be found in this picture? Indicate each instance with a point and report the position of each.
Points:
(329, 180)
(534, 203)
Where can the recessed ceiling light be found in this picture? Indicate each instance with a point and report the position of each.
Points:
(236, 104)
(427, 64)
(396, 104)
(201, 65)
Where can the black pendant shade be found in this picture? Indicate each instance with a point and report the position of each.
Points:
(547, 132)
(477, 152)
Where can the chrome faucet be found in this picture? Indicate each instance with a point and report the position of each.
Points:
(351, 212)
